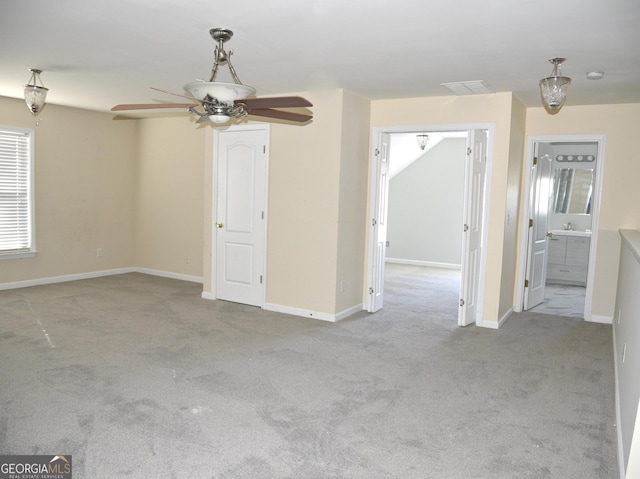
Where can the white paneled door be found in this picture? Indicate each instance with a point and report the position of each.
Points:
(240, 213)
(538, 245)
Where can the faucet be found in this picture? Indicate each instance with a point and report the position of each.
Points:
(568, 226)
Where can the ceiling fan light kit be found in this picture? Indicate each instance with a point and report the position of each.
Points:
(225, 93)
(217, 98)
(222, 102)
(553, 89)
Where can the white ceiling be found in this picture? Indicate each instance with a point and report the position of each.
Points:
(99, 53)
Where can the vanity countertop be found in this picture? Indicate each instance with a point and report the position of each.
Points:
(582, 234)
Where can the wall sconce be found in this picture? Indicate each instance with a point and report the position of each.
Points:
(553, 89)
(422, 139)
(34, 94)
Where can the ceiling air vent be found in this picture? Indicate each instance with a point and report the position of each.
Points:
(473, 87)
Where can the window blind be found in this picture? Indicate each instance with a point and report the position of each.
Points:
(15, 191)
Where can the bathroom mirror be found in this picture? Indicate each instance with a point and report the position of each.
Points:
(572, 191)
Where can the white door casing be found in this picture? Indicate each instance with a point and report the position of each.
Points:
(540, 195)
(533, 141)
(378, 223)
(239, 226)
(473, 224)
(378, 210)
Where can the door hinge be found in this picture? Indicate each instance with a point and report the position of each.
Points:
(461, 302)
(262, 215)
(260, 279)
(526, 283)
(468, 151)
(530, 223)
(377, 152)
(535, 160)
(465, 228)
(373, 222)
(264, 148)
(370, 290)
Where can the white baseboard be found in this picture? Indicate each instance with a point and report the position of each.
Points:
(63, 279)
(169, 274)
(600, 319)
(278, 308)
(333, 318)
(182, 277)
(349, 312)
(483, 323)
(96, 274)
(300, 312)
(504, 317)
(416, 262)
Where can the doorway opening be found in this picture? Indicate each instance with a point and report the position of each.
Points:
(563, 182)
(426, 213)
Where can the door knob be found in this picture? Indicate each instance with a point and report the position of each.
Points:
(549, 234)
(219, 225)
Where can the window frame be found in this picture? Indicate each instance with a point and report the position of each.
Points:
(30, 250)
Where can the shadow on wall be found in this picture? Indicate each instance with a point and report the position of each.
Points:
(426, 200)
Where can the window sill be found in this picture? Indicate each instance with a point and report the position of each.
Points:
(25, 254)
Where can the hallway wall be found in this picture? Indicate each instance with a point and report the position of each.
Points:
(426, 206)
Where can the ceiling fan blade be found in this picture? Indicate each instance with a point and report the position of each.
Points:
(188, 97)
(281, 115)
(151, 106)
(276, 102)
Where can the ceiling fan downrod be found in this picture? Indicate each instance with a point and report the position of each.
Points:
(221, 57)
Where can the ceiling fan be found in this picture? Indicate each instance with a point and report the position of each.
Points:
(222, 102)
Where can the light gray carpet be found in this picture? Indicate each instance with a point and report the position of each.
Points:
(137, 377)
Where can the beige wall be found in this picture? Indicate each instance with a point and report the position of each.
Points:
(133, 188)
(495, 108)
(84, 191)
(316, 207)
(304, 170)
(511, 246)
(141, 191)
(620, 193)
(352, 207)
(169, 196)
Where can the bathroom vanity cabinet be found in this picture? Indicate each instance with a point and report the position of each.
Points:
(568, 259)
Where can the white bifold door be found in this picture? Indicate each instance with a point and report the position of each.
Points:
(472, 228)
